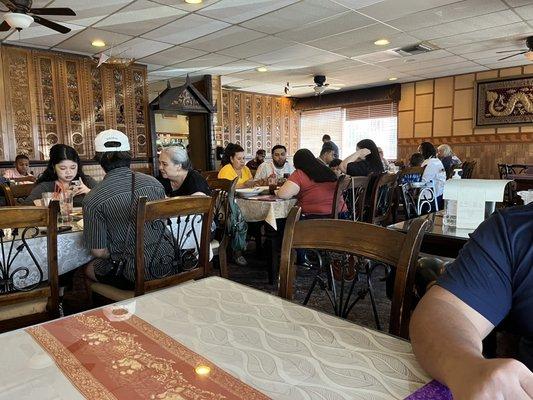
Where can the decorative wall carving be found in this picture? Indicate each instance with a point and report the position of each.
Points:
(53, 98)
(259, 121)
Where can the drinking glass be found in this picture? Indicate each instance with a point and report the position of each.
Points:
(65, 206)
(47, 197)
(272, 184)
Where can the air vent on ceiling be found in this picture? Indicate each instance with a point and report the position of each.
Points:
(414, 50)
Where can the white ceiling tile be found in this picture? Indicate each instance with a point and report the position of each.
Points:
(450, 69)
(231, 68)
(293, 52)
(488, 45)
(493, 53)
(184, 29)
(358, 4)
(467, 25)
(173, 55)
(507, 63)
(417, 59)
(330, 26)
(392, 9)
(255, 47)
(236, 11)
(304, 12)
(525, 12)
(150, 67)
(378, 56)
(304, 62)
(507, 32)
(228, 80)
(422, 65)
(97, 9)
(82, 41)
(197, 64)
(139, 17)
(42, 36)
(518, 3)
(186, 6)
(228, 37)
(139, 48)
(447, 13)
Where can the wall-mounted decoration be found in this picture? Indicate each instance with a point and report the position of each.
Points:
(504, 102)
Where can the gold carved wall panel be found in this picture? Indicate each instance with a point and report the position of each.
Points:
(53, 98)
(258, 121)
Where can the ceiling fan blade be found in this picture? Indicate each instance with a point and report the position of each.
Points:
(506, 51)
(9, 5)
(53, 11)
(302, 86)
(51, 25)
(512, 55)
(4, 27)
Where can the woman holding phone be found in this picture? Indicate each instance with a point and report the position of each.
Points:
(63, 175)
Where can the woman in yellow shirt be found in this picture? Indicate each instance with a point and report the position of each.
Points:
(235, 167)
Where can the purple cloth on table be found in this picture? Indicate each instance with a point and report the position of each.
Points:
(431, 391)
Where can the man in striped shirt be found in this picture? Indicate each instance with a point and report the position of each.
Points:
(109, 218)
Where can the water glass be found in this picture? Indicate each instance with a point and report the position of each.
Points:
(65, 206)
(47, 197)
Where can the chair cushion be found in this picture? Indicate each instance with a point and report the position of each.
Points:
(111, 292)
(35, 306)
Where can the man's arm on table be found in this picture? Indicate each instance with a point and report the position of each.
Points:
(447, 335)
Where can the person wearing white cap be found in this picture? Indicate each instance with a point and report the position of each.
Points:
(109, 216)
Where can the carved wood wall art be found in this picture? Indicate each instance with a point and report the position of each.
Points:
(54, 97)
(504, 102)
(259, 121)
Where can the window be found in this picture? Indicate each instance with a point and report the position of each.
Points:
(347, 126)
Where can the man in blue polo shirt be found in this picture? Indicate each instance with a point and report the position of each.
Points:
(491, 280)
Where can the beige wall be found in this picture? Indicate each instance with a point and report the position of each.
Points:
(441, 110)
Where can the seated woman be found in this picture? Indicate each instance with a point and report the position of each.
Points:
(434, 170)
(177, 176)
(365, 161)
(446, 156)
(234, 167)
(64, 167)
(313, 184)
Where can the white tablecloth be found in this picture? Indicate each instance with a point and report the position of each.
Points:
(268, 211)
(285, 350)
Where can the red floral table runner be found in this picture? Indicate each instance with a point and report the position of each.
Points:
(124, 357)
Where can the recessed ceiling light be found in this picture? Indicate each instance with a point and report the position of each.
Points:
(393, 78)
(262, 69)
(381, 42)
(98, 43)
(193, 1)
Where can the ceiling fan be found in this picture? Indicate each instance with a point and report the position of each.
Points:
(319, 87)
(528, 52)
(21, 15)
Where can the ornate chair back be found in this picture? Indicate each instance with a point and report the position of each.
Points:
(209, 174)
(468, 169)
(350, 191)
(382, 198)
(29, 290)
(180, 249)
(351, 242)
(13, 193)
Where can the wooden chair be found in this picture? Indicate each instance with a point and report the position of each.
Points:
(25, 305)
(350, 191)
(355, 243)
(185, 263)
(224, 188)
(381, 203)
(14, 193)
(468, 169)
(208, 175)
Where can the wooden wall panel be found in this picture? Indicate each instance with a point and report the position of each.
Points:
(55, 97)
(258, 121)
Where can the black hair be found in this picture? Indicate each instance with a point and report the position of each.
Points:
(428, 150)
(230, 151)
(326, 148)
(60, 152)
(326, 137)
(373, 159)
(261, 151)
(313, 168)
(21, 157)
(278, 146)
(335, 162)
(110, 160)
(416, 160)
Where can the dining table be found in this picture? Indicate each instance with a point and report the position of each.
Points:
(207, 339)
(439, 239)
(267, 208)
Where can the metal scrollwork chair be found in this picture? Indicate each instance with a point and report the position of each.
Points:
(224, 188)
(12, 193)
(349, 246)
(174, 250)
(26, 295)
(409, 196)
(349, 199)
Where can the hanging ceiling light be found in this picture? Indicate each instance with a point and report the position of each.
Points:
(18, 20)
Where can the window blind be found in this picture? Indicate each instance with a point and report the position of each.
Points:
(314, 124)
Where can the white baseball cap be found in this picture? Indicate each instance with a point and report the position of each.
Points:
(111, 140)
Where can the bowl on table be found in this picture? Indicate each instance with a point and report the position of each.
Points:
(249, 192)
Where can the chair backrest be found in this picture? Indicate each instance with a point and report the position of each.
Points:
(382, 198)
(397, 249)
(14, 192)
(209, 174)
(410, 174)
(350, 192)
(184, 226)
(514, 169)
(224, 188)
(468, 169)
(26, 282)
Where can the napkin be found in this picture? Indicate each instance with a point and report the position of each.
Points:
(431, 391)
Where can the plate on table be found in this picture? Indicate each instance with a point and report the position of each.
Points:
(263, 189)
(248, 192)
